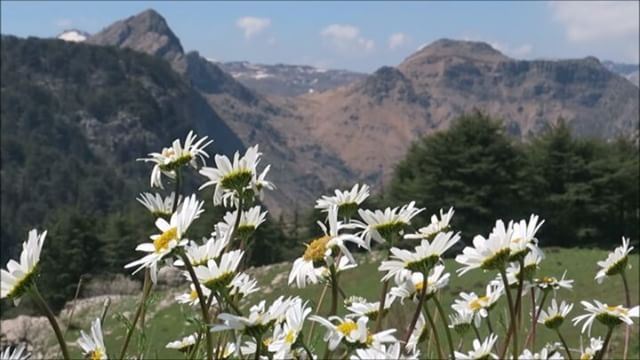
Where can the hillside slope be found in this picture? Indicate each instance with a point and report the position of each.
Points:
(74, 119)
(396, 105)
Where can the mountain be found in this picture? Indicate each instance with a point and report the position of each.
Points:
(396, 105)
(288, 80)
(74, 118)
(319, 140)
(629, 71)
(73, 35)
(249, 114)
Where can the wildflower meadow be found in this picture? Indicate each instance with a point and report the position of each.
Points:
(413, 268)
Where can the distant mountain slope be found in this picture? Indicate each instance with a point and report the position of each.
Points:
(288, 80)
(74, 119)
(629, 71)
(248, 113)
(394, 106)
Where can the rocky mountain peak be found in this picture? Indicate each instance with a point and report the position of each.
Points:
(146, 32)
(388, 82)
(447, 48)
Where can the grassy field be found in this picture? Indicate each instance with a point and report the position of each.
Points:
(169, 321)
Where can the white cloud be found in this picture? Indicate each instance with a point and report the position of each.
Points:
(252, 26)
(597, 20)
(346, 38)
(518, 51)
(63, 23)
(397, 40)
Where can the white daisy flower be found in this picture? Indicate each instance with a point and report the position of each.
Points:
(16, 353)
(183, 345)
(531, 264)
(412, 285)
(480, 350)
(191, 298)
(231, 351)
(418, 335)
(542, 355)
(217, 275)
(591, 352)
(487, 254)
(259, 183)
(523, 237)
(230, 176)
(286, 335)
(547, 283)
(201, 254)
(354, 333)
(93, 346)
(359, 307)
(555, 315)
(478, 305)
(243, 284)
(347, 201)
(382, 352)
(403, 262)
(157, 205)
(258, 321)
(461, 320)
(607, 315)
(249, 221)
(321, 251)
(172, 158)
(171, 236)
(15, 281)
(324, 273)
(437, 225)
(381, 225)
(616, 261)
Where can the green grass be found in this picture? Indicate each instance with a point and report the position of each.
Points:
(168, 321)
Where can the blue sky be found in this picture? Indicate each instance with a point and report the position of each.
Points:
(355, 35)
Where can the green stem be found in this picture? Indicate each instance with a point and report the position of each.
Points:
(520, 287)
(258, 347)
(202, 301)
(416, 314)
(306, 349)
(237, 222)
(627, 331)
(176, 194)
(605, 345)
(320, 301)
(434, 331)
(446, 326)
(334, 301)
(146, 289)
(475, 330)
(532, 332)
(52, 320)
(513, 331)
(564, 343)
(383, 298)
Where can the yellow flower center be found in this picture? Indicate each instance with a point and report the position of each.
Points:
(347, 327)
(193, 295)
(162, 242)
(95, 354)
(290, 337)
(420, 284)
(549, 279)
(617, 309)
(369, 341)
(316, 249)
(479, 303)
(267, 341)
